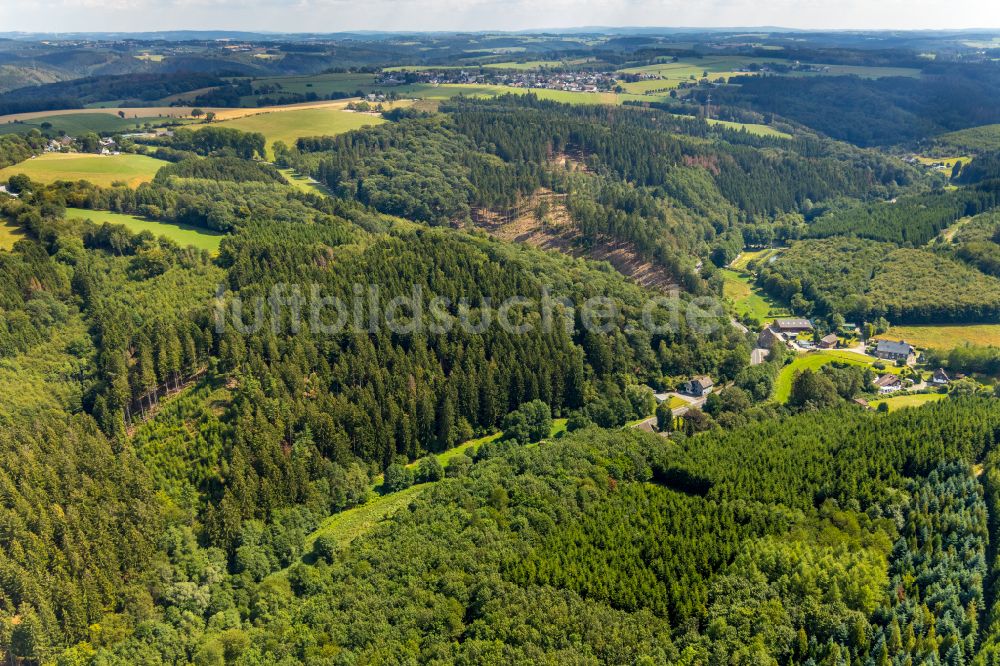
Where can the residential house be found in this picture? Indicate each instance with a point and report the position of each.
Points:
(891, 350)
(888, 383)
(829, 342)
(940, 377)
(769, 337)
(698, 386)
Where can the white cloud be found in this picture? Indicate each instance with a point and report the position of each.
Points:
(333, 15)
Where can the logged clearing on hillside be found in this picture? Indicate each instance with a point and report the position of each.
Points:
(556, 231)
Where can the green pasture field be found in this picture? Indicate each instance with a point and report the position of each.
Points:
(915, 400)
(75, 124)
(673, 73)
(288, 126)
(863, 71)
(321, 84)
(749, 299)
(946, 336)
(449, 90)
(100, 170)
(10, 233)
(751, 128)
(716, 66)
(303, 183)
(537, 64)
(183, 235)
(812, 361)
(742, 262)
(348, 525)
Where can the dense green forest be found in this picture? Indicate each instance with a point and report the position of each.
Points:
(648, 179)
(873, 112)
(866, 280)
(612, 547)
(912, 220)
(139, 89)
(372, 429)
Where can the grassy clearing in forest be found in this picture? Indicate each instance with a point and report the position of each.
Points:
(181, 234)
(915, 400)
(747, 298)
(10, 233)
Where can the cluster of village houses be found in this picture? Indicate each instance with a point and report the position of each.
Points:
(64, 143)
(568, 81)
(786, 331)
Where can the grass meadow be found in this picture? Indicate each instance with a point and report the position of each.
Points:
(181, 234)
(9, 234)
(75, 124)
(812, 361)
(915, 400)
(946, 336)
(100, 170)
(747, 298)
(290, 125)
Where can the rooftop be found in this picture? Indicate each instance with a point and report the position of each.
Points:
(894, 347)
(887, 380)
(793, 323)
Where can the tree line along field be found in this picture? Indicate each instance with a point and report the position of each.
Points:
(182, 234)
(99, 169)
(674, 73)
(904, 401)
(74, 124)
(323, 85)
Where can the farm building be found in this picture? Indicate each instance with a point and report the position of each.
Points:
(701, 385)
(793, 326)
(829, 342)
(890, 350)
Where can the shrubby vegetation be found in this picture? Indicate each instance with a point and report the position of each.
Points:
(15, 148)
(912, 220)
(865, 280)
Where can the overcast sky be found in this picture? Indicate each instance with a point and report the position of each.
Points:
(337, 15)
